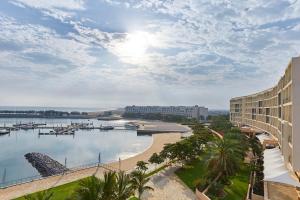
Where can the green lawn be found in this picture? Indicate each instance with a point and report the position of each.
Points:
(192, 172)
(64, 191)
(196, 171)
(238, 189)
(61, 192)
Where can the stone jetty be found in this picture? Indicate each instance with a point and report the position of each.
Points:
(45, 165)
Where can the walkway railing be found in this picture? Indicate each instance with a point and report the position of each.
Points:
(19, 181)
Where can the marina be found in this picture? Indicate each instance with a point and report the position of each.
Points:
(61, 130)
(80, 141)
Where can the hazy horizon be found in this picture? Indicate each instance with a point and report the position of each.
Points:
(113, 53)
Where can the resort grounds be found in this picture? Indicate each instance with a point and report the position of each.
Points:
(185, 167)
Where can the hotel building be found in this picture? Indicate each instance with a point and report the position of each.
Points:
(196, 112)
(275, 111)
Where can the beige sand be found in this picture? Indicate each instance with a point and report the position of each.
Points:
(19, 190)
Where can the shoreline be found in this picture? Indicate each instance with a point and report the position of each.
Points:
(158, 141)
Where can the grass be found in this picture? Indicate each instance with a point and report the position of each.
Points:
(61, 192)
(193, 172)
(64, 191)
(238, 189)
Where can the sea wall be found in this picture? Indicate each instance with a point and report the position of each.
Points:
(44, 164)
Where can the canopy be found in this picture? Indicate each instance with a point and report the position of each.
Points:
(275, 170)
(263, 137)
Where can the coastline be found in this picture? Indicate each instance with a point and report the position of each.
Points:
(158, 141)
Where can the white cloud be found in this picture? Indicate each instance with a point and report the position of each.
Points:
(45, 4)
(196, 44)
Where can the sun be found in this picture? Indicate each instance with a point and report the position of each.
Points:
(134, 46)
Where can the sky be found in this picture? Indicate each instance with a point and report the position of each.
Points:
(112, 53)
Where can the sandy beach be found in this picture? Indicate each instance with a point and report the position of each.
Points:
(128, 164)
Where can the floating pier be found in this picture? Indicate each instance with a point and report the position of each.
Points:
(44, 164)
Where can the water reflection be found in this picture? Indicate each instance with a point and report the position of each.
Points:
(83, 148)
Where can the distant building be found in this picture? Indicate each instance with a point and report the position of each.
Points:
(196, 112)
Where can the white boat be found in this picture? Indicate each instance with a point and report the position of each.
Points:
(4, 131)
(131, 125)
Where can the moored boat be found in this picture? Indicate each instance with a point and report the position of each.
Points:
(4, 131)
(106, 127)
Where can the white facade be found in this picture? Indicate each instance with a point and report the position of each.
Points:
(196, 112)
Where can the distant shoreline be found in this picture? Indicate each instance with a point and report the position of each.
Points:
(47, 117)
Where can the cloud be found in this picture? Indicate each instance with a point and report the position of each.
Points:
(206, 46)
(44, 4)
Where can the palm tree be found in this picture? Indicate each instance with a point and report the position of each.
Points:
(45, 195)
(123, 188)
(255, 145)
(139, 181)
(109, 186)
(89, 189)
(226, 158)
(113, 187)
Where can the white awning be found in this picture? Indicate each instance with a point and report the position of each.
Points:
(275, 170)
(263, 137)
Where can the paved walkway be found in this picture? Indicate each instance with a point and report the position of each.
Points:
(19, 190)
(168, 186)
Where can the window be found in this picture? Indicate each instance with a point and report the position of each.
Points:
(279, 112)
(260, 103)
(267, 119)
(279, 98)
(267, 111)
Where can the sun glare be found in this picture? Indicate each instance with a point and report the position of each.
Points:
(135, 45)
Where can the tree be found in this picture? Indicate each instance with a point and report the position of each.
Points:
(156, 159)
(255, 146)
(141, 165)
(168, 152)
(221, 123)
(226, 158)
(89, 189)
(45, 195)
(115, 186)
(124, 188)
(109, 186)
(139, 181)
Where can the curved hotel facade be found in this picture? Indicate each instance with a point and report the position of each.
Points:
(277, 112)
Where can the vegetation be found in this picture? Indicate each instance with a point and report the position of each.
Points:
(218, 163)
(61, 192)
(226, 158)
(258, 186)
(156, 159)
(239, 184)
(142, 166)
(206, 161)
(221, 123)
(114, 186)
(193, 173)
(139, 181)
(45, 195)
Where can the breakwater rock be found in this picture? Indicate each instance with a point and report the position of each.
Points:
(45, 165)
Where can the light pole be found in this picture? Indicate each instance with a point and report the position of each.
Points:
(99, 158)
(119, 164)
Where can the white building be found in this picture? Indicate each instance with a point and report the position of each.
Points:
(196, 112)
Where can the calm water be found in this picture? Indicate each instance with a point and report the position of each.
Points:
(83, 148)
